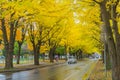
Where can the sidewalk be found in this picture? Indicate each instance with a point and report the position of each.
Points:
(23, 67)
(99, 72)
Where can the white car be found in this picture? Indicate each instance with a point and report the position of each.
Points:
(71, 59)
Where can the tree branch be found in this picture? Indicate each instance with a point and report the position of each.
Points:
(96, 1)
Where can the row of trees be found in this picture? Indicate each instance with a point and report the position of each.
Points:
(48, 23)
(109, 13)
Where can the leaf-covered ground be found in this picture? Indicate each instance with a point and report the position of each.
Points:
(98, 72)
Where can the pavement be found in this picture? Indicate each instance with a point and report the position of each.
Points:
(86, 71)
(23, 67)
(80, 71)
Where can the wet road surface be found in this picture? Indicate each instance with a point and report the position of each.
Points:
(57, 72)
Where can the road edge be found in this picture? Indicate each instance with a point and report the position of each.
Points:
(25, 69)
(87, 74)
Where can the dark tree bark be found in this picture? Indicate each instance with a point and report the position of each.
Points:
(107, 55)
(79, 54)
(8, 57)
(51, 54)
(65, 51)
(36, 55)
(23, 33)
(36, 49)
(8, 60)
(36, 42)
(116, 58)
(9, 43)
(103, 56)
(19, 51)
(113, 46)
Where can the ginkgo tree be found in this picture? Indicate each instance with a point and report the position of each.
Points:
(109, 13)
(9, 17)
(41, 26)
(49, 23)
(20, 39)
(11, 13)
(54, 37)
(53, 17)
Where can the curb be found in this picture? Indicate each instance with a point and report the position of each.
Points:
(24, 69)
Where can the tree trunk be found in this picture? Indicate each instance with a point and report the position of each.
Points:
(9, 55)
(111, 43)
(8, 58)
(36, 56)
(9, 46)
(107, 55)
(65, 52)
(116, 58)
(18, 55)
(36, 59)
(103, 56)
(80, 52)
(51, 54)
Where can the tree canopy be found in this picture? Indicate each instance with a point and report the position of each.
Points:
(47, 24)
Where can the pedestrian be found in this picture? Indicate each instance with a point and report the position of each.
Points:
(56, 58)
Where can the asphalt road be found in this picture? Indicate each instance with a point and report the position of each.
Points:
(57, 72)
